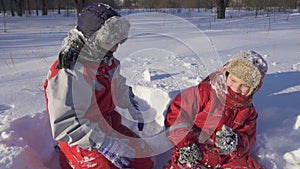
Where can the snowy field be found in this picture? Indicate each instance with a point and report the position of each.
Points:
(163, 55)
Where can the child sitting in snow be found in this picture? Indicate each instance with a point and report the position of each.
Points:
(213, 124)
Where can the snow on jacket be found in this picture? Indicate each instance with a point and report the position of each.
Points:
(197, 113)
(76, 99)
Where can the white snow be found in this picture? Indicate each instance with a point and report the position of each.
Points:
(164, 55)
(297, 124)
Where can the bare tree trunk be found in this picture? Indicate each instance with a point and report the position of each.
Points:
(79, 4)
(220, 9)
(4, 18)
(29, 8)
(44, 7)
(296, 3)
(3, 6)
(12, 8)
(36, 8)
(58, 7)
(20, 7)
(198, 5)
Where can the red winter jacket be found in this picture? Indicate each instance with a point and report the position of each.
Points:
(197, 113)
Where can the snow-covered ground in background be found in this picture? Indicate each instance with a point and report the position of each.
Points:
(158, 65)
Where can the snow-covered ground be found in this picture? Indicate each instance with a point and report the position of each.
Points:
(164, 55)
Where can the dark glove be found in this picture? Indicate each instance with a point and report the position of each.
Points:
(135, 111)
(66, 58)
(71, 48)
(226, 140)
(140, 126)
(189, 155)
(117, 152)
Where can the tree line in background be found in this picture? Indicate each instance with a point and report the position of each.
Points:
(28, 7)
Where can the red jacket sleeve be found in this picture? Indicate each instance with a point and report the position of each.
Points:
(181, 114)
(246, 134)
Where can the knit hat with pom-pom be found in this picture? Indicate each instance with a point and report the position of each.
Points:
(250, 67)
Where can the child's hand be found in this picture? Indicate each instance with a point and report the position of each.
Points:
(189, 155)
(117, 151)
(226, 140)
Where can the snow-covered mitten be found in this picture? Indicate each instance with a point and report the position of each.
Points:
(134, 110)
(117, 152)
(226, 140)
(71, 47)
(189, 155)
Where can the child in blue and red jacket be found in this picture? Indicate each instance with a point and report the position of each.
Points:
(83, 89)
(213, 124)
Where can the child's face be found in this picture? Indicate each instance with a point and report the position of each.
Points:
(237, 85)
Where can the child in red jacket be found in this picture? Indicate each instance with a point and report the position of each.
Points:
(213, 124)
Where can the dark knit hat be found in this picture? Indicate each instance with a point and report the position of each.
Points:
(93, 17)
(250, 67)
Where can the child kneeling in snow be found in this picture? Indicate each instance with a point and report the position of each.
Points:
(83, 89)
(213, 124)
